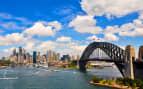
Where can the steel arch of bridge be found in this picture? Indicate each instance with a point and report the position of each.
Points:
(117, 54)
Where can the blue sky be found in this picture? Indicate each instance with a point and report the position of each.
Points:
(68, 26)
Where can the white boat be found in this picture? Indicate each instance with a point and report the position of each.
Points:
(43, 65)
(56, 70)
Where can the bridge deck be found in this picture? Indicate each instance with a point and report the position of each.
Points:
(97, 59)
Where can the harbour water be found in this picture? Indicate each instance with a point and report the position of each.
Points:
(36, 78)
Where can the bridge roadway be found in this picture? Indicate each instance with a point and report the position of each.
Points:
(102, 59)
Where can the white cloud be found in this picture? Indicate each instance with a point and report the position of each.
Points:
(5, 16)
(62, 48)
(23, 20)
(118, 8)
(109, 33)
(128, 29)
(30, 46)
(63, 39)
(11, 25)
(47, 45)
(15, 39)
(40, 29)
(94, 38)
(55, 24)
(109, 8)
(136, 32)
(85, 24)
(79, 48)
(111, 29)
(110, 37)
(70, 48)
(6, 52)
(132, 29)
(123, 47)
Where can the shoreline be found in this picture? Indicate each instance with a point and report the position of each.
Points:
(2, 67)
(111, 86)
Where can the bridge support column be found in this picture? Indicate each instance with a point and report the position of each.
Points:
(82, 65)
(129, 68)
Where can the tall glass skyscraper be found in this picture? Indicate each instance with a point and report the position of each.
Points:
(34, 56)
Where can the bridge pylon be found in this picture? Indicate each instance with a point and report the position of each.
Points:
(129, 72)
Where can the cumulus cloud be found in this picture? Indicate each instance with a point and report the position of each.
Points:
(43, 29)
(11, 25)
(62, 48)
(40, 30)
(109, 8)
(30, 46)
(132, 29)
(94, 38)
(85, 24)
(63, 39)
(14, 39)
(6, 52)
(55, 24)
(71, 48)
(47, 45)
(129, 29)
(109, 33)
(110, 37)
(118, 8)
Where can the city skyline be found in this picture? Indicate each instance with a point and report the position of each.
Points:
(21, 56)
(69, 26)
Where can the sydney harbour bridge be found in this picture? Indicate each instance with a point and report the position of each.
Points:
(104, 51)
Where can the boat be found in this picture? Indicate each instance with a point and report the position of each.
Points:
(56, 70)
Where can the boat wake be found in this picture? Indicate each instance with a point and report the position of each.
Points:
(7, 78)
(10, 78)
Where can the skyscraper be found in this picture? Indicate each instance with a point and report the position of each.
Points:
(20, 50)
(54, 56)
(58, 57)
(38, 57)
(47, 57)
(50, 56)
(14, 52)
(34, 56)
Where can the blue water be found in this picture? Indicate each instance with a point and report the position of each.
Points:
(37, 78)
